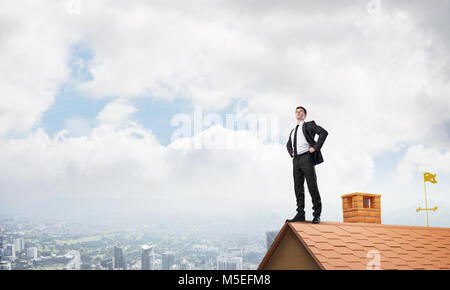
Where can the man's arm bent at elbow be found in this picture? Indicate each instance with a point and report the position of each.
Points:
(322, 135)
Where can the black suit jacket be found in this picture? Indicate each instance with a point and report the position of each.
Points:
(310, 129)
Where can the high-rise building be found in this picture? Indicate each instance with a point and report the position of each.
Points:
(119, 258)
(32, 253)
(1, 248)
(9, 252)
(202, 262)
(227, 262)
(19, 244)
(147, 257)
(270, 237)
(168, 259)
(108, 264)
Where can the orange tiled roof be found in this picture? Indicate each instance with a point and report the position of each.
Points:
(345, 245)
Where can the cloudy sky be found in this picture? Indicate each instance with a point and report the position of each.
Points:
(90, 91)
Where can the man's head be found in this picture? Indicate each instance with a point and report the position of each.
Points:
(300, 113)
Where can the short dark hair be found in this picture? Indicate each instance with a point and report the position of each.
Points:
(300, 107)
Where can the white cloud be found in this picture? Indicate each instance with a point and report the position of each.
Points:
(128, 163)
(116, 112)
(419, 159)
(33, 49)
(78, 126)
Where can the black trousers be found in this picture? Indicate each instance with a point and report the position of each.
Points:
(303, 168)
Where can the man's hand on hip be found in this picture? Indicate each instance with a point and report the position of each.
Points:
(311, 149)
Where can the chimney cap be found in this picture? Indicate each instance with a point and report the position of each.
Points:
(361, 193)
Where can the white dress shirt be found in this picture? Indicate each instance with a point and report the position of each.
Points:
(302, 144)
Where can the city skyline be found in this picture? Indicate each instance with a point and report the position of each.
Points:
(57, 246)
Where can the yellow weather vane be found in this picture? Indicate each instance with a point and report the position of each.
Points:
(431, 178)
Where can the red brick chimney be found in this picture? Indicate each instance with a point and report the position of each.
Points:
(361, 207)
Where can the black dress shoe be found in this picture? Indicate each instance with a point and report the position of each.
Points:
(297, 218)
(316, 220)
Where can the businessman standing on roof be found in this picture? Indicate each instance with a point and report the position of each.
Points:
(305, 154)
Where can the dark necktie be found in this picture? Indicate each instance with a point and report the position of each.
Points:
(295, 140)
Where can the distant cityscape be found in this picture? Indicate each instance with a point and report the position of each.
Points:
(26, 244)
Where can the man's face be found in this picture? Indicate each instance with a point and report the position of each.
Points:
(300, 114)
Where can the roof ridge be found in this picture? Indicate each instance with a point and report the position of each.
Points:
(378, 225)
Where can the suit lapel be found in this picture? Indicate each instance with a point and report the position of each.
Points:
(305, 133)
